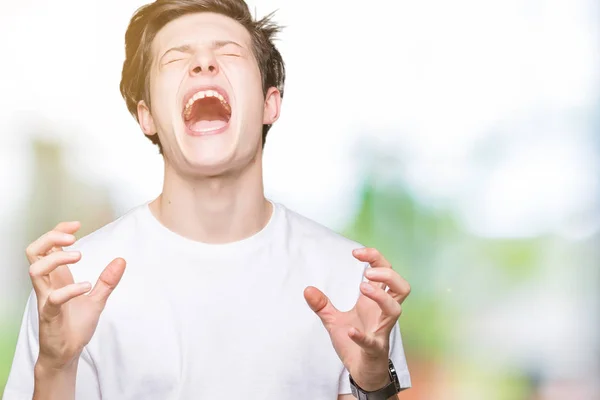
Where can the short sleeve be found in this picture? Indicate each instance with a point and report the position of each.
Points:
(396, 355)
(20, 380)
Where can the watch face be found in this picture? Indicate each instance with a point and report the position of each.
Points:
(394, 376)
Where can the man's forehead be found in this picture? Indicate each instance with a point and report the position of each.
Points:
(200, 28)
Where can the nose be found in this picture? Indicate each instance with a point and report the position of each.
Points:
(205, 63)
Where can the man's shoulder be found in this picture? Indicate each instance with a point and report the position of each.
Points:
(316, 236)
(312, 229)
(112, 240)
(112, 234)
(326, 258)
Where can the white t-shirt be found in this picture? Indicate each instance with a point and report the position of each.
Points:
(191, 320)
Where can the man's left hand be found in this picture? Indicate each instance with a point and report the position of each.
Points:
(361, 336)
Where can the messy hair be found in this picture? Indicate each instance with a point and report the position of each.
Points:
(151, 18)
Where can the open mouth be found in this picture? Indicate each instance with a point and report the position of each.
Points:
(207, 111)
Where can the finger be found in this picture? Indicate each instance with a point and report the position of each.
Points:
(47, 264)
(372, 256)
(321, 305)
(58, 297)
(368, 343)
(40, 269)
(399, 287)
(108, 281)
(46, 242)
(389, 307)
(68, 227)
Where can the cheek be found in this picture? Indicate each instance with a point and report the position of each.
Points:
(257, 100)
(248, 82)
(165, 83)
(162, 105)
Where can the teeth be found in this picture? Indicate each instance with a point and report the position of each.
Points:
(200, 95)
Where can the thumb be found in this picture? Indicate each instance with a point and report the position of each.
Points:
(320, 304)
(108, 281)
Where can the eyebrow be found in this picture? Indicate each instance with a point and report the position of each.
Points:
(215, 44)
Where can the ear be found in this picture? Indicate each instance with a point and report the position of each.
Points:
(145, 119)
(272, 106)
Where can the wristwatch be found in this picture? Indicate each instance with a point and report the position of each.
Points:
(382, 394)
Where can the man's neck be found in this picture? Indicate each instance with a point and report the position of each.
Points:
(215, 210)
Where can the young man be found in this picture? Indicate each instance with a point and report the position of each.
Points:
(214, 301)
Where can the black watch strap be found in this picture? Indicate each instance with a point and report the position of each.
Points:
(382, 394)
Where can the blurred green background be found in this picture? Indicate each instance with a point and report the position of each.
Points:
(461, 139)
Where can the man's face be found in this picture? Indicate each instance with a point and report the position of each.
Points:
(207, 102)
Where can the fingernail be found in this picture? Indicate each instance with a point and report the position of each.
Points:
(369, 273)
(86, 285)
(73, 254)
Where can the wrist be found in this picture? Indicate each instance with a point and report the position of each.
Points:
(377, 386)
(373, 384)
(54, 383)
(373, 376)
(49, 369)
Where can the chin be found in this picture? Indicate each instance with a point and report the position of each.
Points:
(218, 157)
(210, 155)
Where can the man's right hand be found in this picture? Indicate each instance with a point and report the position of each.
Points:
(67, 316)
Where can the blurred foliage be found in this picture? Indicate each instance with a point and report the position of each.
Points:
(448, 268)
(409, 236)
(517, 258)
(8, 342)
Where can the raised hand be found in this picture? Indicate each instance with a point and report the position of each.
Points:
(67, 316)
(361, 336)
